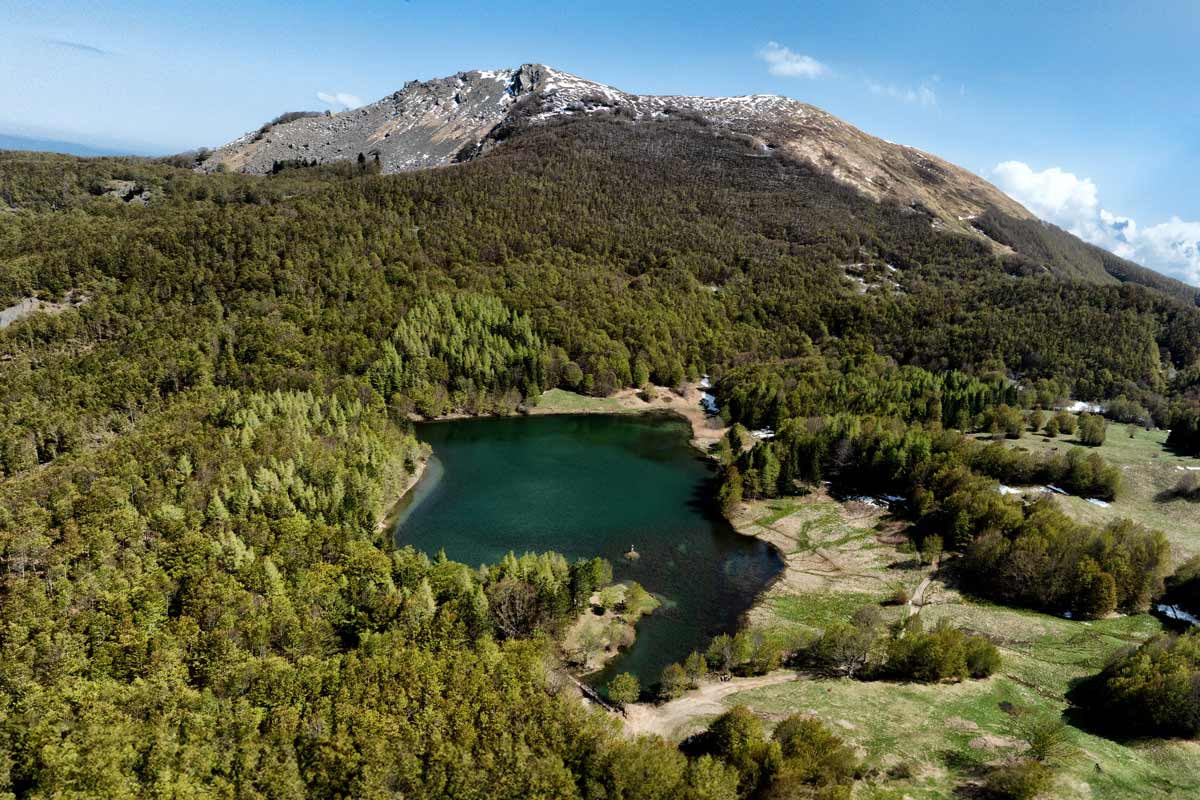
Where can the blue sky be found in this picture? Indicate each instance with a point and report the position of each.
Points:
(1086, 111)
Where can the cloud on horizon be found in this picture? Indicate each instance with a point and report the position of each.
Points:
(342, 99)
(785, 63)
(80, 47)
(1073, 203)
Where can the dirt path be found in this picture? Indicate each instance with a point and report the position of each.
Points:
(695, 707)
(917, 601)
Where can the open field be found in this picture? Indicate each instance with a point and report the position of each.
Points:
(921, 741)
(1149, 471)
(840, 556)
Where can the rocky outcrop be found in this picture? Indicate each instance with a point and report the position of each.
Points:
(29, 306)
(126, 191)
(439, 122)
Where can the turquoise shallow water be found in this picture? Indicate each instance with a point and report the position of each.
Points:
(593, 485)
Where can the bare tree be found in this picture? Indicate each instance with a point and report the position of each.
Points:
(514, 607)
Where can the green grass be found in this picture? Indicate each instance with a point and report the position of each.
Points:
(778, 510)
(1148, 472)
(817, 611)
(944, 736)
(559, 401)
(937, 741)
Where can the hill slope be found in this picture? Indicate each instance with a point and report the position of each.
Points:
(461, 117)
(441, 121)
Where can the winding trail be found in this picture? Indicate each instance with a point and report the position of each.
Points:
(669, 718)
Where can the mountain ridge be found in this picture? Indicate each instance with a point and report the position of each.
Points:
(444, 120)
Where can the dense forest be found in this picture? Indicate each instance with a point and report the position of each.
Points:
(196, 455)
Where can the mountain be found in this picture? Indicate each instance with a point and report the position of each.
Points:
(438, 122)
(462, 117)
(12, 142)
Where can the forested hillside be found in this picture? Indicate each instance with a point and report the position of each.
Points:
(196, 596)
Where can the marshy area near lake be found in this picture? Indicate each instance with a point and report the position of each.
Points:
(594, 485)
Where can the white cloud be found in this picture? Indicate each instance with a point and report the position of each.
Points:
(922, 95)
(1073, 203)
(785, 63)
(1175, 247)
(340, 99)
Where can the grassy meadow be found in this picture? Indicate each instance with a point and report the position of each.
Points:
(921, 741)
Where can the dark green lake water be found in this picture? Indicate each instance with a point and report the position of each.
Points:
(592, 486)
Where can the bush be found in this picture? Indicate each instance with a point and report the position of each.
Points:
(983, 658)
(1047, 738)
(624, 689)
(816, 763)
(695, 668)
(719, 655)
(1018, 780)
(846, 649)
(673, 682)
(945, 653)
(1003, 419)
(1149, 691)
(736, 737)
(1188, 486)
(1066, 422)
(931, 549)
(1092, 429)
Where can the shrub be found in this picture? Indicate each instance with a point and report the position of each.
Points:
(945, 653)
(931, 549)
(624, 688)
(1047, 738)
(695, 668)
(673, 682)
(846, 649)
(1092, 429)
(736, 737)
(1188, 486)
(1003, 419)
(983, 658)
(719, 655)
(816, 763)
(1018, 780)
(1149, 691)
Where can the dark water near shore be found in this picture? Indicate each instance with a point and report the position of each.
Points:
(592, 486)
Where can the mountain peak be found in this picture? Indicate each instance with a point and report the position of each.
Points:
(445, 120)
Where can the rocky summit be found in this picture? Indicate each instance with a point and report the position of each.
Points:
(447, 120)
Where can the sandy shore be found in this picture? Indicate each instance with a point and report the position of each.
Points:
(689, 714)
(410, 481)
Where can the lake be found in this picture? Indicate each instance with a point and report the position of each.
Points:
(593, 485)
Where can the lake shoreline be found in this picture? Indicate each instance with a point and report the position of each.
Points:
(684, 403)
(664, 401)
(388, 519)
(536, 459)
